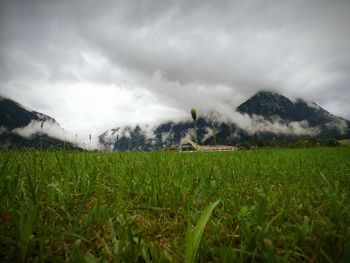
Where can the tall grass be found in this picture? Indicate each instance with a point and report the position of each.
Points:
(276, 205)
(194, 118)
(194, 236)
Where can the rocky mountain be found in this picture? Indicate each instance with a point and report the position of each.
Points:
(266, 116)
(272, 106)
(14, 115)
(165, 135)
(277, 108)
(22, 127)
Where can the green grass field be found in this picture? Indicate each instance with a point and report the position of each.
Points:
(290, 205)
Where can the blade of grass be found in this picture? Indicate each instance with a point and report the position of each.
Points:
(26, 224)
(114, 239)
(31, 187)
(194, 236)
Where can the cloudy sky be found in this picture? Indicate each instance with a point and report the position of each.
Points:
(94, 65)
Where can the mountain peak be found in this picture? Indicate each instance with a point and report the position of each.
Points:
(264, 95)
(267, 104)
(272, 106)
(268, 93)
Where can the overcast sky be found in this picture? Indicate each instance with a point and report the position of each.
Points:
(95, 65)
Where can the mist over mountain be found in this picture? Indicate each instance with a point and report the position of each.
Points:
(264, 116)
(13, 115)
(271, 105)
(22, 127)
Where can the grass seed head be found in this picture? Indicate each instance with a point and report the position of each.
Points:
(194, 114)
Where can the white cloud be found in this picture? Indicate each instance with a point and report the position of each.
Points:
(257, 124)
(93, 67)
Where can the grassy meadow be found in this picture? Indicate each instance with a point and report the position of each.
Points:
(269, 205)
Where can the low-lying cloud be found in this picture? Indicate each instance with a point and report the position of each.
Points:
(54, 130)
(257, 124)
(339, 124)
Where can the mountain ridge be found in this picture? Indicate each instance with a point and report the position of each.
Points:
(270, 104)
(15, 115)
(23, 127)
(270, 116)
(264, 116)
